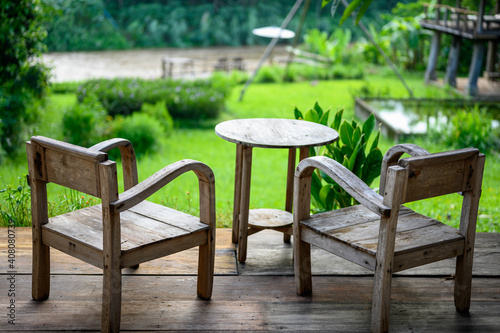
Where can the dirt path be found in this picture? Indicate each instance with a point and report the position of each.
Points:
(76, 66)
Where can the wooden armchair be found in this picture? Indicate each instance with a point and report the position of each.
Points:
(384, 236)
(124, 230)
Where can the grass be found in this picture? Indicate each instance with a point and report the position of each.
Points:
(268, 176)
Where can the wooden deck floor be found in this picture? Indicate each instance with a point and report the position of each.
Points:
(257, 296)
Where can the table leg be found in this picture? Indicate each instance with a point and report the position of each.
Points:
(245, 202)
(237, 193)
(292, 153)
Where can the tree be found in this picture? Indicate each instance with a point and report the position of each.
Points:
(23, 81)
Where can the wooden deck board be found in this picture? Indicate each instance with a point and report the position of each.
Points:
(255, 303)
(258, 296)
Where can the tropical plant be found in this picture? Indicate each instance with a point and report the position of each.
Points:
(356, 149)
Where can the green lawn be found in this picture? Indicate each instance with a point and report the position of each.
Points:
(269, 165)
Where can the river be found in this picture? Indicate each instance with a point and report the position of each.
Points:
(147, 63)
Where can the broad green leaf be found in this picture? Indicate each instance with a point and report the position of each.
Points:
(312, 152)
(371, 169)
(362, 10)
(354, 123)
(318, 109)
(324, 118)
(375, 142)
(346, 152)
(311, 115)
(360, 161)
(298, 114)
(338, 119)
(354, 156)
(368, 126)
(324, 3)
(346, 132)
(323, 194)
(315, 187)
(357, 136)
(345, 162)
(330, 200)
(337, 154)
(326, 178)
(348, 11)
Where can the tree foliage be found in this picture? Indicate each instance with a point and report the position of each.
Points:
(23, 80)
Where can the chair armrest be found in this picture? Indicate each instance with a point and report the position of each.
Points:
(392, 156)
(345, 179)
(129, 163)
(152, 184)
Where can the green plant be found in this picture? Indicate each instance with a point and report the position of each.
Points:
(117, 96)
(141, 129)
(83, 124)
(24, 81)
(469, 127)
(160, 113)
(16, 206)
(356, 149)
(269, 74)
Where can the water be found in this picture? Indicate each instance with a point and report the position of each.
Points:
(417, 117)
(146, 63)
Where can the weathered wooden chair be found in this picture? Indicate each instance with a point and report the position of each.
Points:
(384, 236)
(124, 230)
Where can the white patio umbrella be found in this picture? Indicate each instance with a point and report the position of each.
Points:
(273, 32)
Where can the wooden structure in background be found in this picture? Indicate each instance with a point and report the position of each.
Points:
(461, 23)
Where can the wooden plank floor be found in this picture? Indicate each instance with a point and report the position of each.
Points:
(257, 296)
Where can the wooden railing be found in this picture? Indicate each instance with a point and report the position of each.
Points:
(452, 17)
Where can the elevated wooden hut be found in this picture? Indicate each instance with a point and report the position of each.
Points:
(483, 29)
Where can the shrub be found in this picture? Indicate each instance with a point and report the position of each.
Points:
(469, 128)
(195, 103)
(270, 74)
(118, 96)
(356, 149)
(141, 129)
(160, 113)
(83, 124)
(198, 99)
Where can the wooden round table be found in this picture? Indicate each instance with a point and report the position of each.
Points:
(267, 133)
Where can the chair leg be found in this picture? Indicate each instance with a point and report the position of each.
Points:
(302, 267)
(206, 260)
(463, 283)
(41, 271)
(111, 300)
(381, 302)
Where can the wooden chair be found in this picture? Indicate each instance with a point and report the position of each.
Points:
(124, 230)
(384, 236)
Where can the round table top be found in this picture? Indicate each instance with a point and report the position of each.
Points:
(276, 133)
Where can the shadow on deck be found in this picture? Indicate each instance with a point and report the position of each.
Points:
(256, 296)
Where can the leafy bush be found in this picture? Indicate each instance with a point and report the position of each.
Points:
(23, 81)
(197, 99)
(141, 129)
(355, 149)
(195, 103)
(160, 113)
(270, 74)
(470, 128)
(83, 124)
(118, 96)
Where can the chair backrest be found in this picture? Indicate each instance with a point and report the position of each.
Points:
(440, 173)
(66, 164)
